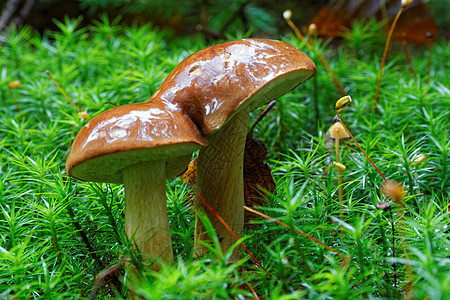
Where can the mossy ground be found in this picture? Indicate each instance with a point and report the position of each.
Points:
(57, 234)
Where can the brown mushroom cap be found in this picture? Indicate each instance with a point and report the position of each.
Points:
(129, 134)
(338, 131)
(216, 82)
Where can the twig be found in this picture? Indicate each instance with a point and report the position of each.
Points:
(344, 261)
(320, 56)
(316, 103)
(110, 272)
(253, 291)
(231, 231)
(12, 85)
(7, 12)
(408, 59)
(263, 114)
(357, 144)
(113, 104)
(386, 47)
(83, 236)
(430, 49)
(24, 12)
(62, 91)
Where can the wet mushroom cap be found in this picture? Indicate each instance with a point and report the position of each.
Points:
(216, 82)
(129, 134)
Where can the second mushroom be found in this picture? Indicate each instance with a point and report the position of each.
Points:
(217, 88)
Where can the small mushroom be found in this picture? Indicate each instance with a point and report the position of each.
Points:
(217, 88)
(139, 145)
(337, 132)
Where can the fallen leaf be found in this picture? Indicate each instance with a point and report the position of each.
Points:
(189, 177)
(416, 24)
(258, 181)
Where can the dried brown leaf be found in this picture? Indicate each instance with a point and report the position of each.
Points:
(258, 181)
(190, 176)
(416, 24)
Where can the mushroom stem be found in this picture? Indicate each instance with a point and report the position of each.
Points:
(220, 179)
(146, 220)
(341, 192)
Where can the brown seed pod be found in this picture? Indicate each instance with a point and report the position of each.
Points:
(393, 190)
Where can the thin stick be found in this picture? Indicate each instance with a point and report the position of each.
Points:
(316, 103)
(344, 261)
(62, 91)
(263, 114)
(326, 170)
(113, 104)
(253, 291)
(348, 131)
(386, 47)
(231, 232)
(14, 99)
(111, 272)
(357, 144)
(408, 59)
(322, 59)
(71, 137)
(430, 49)
(91, 249)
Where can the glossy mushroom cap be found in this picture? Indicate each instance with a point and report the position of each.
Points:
(216, 82)
(129, 134)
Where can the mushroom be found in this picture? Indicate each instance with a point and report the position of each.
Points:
(139, 145)
(337, 132)
(217, 87)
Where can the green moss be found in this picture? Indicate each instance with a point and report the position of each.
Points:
(57, 234)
